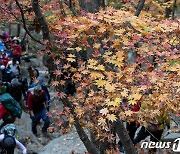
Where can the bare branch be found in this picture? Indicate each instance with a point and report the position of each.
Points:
(139, 7)
(24, 23)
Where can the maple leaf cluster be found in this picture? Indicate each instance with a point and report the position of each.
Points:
(109, 73)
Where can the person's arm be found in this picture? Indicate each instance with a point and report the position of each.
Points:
(21, 146)
(30, 103)
(1, 137)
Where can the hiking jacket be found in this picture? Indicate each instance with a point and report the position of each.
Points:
(5, 114)
(36, 103)
(17, 50)
(19, 144)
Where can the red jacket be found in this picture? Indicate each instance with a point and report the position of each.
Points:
(36, 103)
(136, 107)
(17, 50)
(4, 114)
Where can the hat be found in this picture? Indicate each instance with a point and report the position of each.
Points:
(40, 80)
(15, 82)
(37, 88)
(9, 129)
(15, 38)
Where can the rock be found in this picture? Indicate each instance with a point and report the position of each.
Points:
(64, 145)
(171, 137)
(35, 62)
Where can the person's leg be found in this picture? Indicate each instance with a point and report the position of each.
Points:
(142, 134)
(131, 128)
(155, 137)
(35, 121)
(45, 119)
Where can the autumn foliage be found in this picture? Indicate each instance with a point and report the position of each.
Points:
(116, 56)
(108, 76)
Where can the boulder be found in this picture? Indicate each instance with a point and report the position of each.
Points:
(64, 145)
(35, 62)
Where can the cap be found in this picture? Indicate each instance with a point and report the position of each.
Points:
(15, 82)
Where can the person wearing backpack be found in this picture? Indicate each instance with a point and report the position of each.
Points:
(8, 141)
(6, 116)
(9, 109)
(37, 109)
(15, 90)
(153, 126)
(40, 81)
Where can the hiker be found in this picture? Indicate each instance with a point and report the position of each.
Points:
(153, 126)
(15, 90)
(40, 81)
(37, 109)
(4, 59)
(33, 74)
(6, 116)
(9, 109)
(8, 141)
(14, 68)
(16, 49)
(2, 46)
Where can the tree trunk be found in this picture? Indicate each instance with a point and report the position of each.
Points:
(124, 137)
(173, 9)
(167, 10)
(18, 30)
(92, 6)
(91, 148)
(41, 19)
(139, 7)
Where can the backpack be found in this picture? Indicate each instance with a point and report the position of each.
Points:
(11, 105)
(8, 143)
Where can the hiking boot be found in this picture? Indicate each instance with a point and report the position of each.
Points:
(36, 134)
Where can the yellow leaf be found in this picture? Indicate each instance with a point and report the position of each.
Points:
(79, 111)
(136, 96)
(96, 75)
(110, 87)
(100, 82)
(96, 45)
(128, 113)
(71, 55)
(71, 59)
(92, 62)
(111, 117)
(132, 102)
(124, 93)
(78, 49)
(100, 67)
(109, 103)
(101, 121)
(102, 29)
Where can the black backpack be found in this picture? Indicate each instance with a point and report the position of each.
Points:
(8, 143)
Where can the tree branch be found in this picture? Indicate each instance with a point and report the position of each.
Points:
(173, 9)
(91, 148)
(139, 7)
(41, 19)
(124, 137)
(9, 12)
(24, 23)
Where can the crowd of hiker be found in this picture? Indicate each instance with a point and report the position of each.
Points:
(18, 93)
